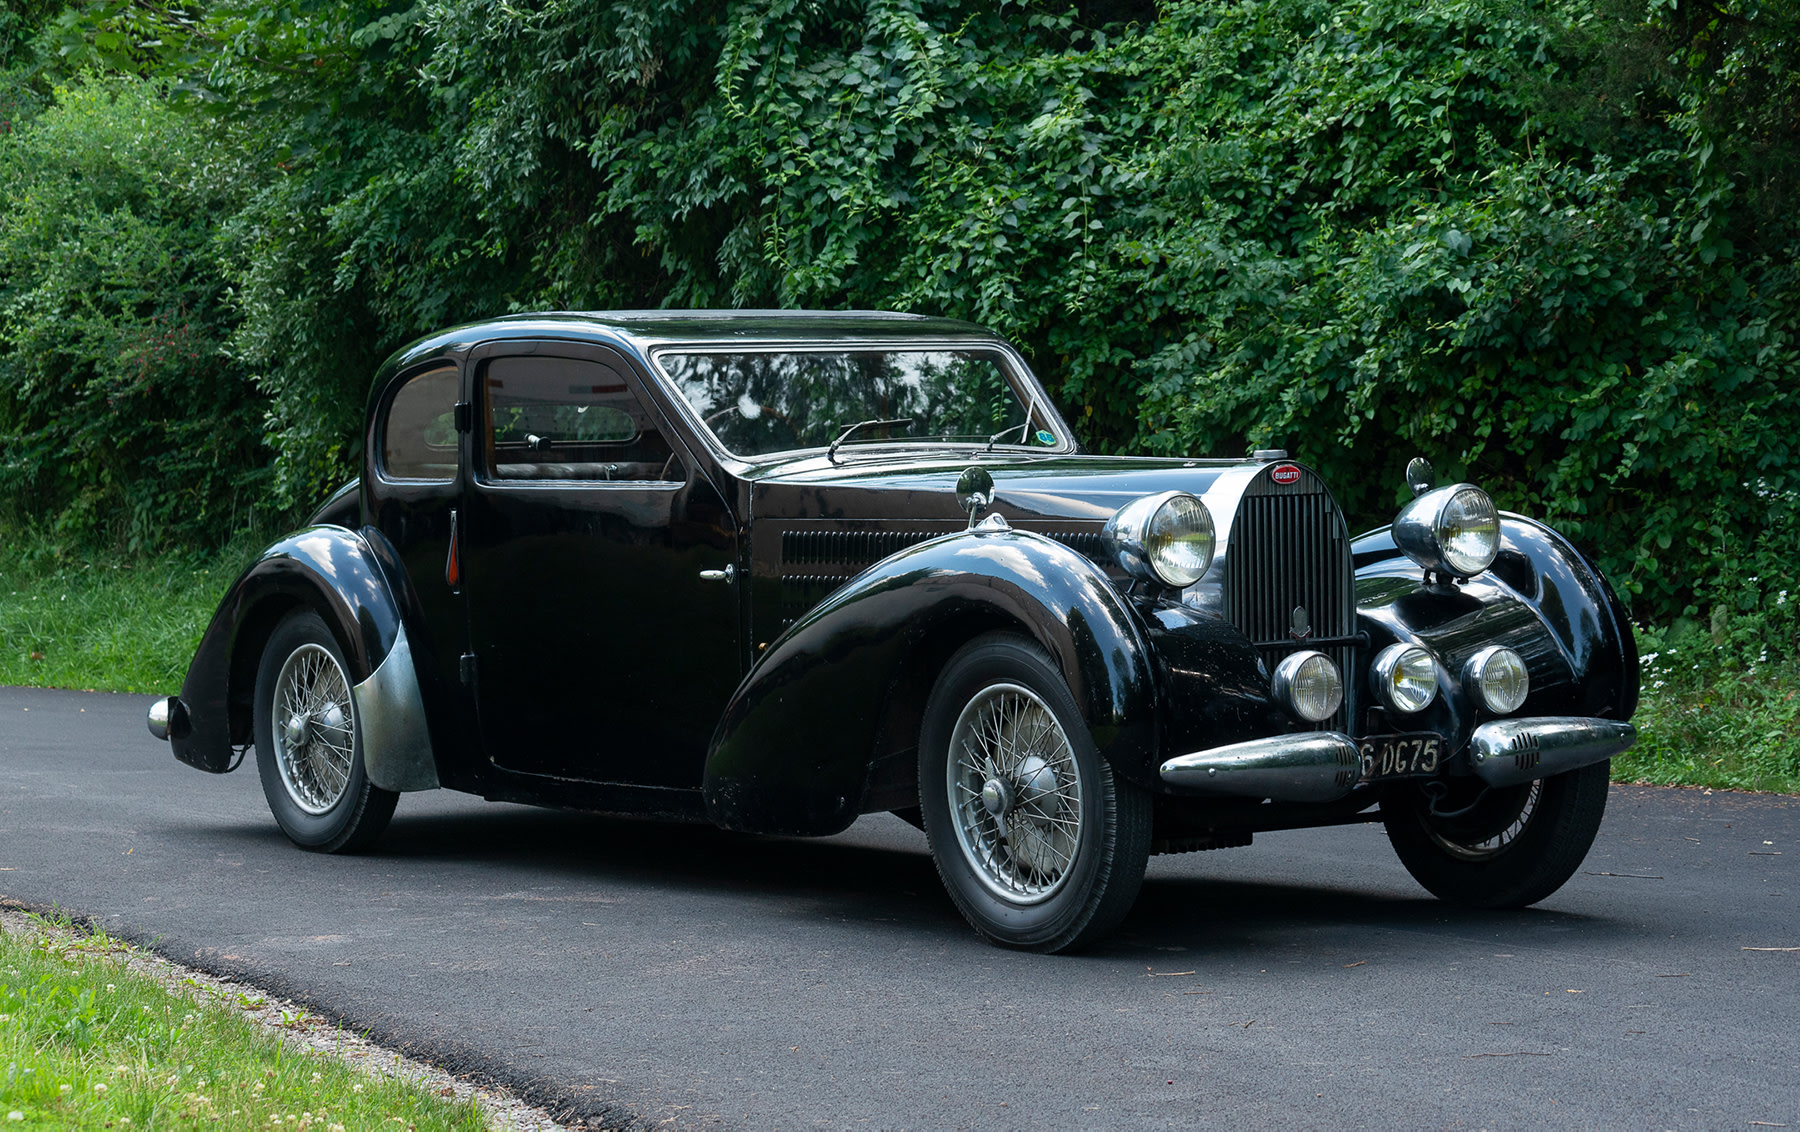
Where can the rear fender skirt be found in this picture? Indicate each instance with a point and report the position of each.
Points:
(794, 750)
(1541, 598)
(336, 572)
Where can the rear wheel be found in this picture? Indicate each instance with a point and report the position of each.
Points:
(309, 745)
(1039, 844)
(1497, 847)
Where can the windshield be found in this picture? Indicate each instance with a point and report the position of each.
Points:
(775, 401)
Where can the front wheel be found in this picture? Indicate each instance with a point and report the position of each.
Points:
(309, 745)
(1040, 845)
(1497, 847)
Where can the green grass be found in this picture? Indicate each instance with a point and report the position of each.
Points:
(87, 1043)
(1717, 713)
(72, 620)
(1717, 709)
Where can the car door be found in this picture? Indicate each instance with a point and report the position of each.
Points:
(414, 485)
(597, 564)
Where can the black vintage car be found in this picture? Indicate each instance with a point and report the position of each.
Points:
(773, 570)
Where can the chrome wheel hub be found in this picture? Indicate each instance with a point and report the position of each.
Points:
(997, 797)
(315, 738)
(1015, 794)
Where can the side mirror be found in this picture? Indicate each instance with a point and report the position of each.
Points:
(1420, 476)
(974, 492)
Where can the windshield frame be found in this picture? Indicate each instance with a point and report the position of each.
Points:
(1018, 375)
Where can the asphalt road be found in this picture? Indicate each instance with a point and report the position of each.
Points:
(631, 972)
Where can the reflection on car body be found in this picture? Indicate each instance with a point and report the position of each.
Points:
(773, 570)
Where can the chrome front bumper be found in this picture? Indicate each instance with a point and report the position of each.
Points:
(1508, 752)
(1311, 766)
(1323, 766)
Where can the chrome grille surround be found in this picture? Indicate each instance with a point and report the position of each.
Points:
(1289, 548)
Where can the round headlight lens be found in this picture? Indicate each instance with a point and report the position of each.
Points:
(1165, 538)
(1498, 678)
(1468, 531)
(1405, 677)
(1309, 684)
(1180, 540)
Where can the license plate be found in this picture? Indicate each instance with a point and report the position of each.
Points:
(1400, 756)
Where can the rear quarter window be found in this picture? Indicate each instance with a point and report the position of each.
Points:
(418, 438)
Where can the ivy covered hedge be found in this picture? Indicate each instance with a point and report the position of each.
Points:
(1547, 243)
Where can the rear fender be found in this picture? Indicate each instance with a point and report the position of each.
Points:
(846, 683)
(337, 573)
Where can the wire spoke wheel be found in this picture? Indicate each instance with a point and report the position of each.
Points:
(1016, 794)
(1497, 847)
(309, 743)
(313, 732)
(1466, 847)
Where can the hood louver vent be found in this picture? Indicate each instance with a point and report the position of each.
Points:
(816, 562)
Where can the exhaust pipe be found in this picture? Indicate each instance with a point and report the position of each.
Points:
(1508, 752)
(1312, 766)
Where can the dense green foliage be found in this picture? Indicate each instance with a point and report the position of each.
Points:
(120, 411)
(1547, 243)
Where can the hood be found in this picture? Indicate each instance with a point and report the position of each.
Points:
(1027, 489)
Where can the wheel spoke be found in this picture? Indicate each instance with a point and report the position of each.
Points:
(1007, 732)
(312, 692)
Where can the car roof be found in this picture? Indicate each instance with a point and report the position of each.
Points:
(643, 330)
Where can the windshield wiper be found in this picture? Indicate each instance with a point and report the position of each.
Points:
(1022, 430)
(831, 453)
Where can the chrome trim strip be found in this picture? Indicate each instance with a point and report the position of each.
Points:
(1509, 752)
(1309, 766)
(391, 715)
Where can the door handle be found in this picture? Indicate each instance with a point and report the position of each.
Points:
(729, 574)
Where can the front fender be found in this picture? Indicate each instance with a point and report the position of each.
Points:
(1541, 597)
(336, 572)
(794, 750)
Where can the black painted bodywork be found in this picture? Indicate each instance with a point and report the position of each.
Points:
(575, 655)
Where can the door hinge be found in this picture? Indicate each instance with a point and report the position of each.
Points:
(465, 416)
(466, 667)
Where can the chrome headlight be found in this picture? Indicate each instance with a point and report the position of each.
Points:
(1309, 685)
(1166, 538)
(1454, 529)
(1497, 677)
(1405, 677)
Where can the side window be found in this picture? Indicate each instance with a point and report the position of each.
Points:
(418, 440)
(563, 419)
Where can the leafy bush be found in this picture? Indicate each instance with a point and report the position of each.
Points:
(122, 417)
(1548, 243)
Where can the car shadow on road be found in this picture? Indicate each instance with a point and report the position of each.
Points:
(890, 880)
(1223, 917)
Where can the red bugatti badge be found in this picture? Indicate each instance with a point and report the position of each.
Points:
(1285, 474)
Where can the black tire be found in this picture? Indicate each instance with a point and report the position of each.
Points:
(321, 803)
(1508, 847)
(1046, 886)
